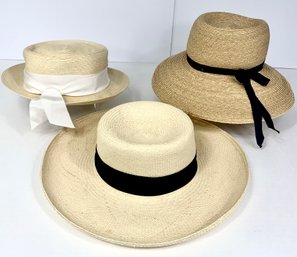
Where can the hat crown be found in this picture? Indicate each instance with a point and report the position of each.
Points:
(65, 57)
(148, 139)
(227, 40)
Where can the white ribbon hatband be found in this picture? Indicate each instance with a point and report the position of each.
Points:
(51, 106)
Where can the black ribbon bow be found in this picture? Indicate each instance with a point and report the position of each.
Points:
(244, 77)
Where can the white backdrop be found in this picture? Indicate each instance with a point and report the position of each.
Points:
(132, 30)
(137, 30)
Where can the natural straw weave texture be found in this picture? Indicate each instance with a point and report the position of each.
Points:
(63, 57)
(228, 41)
(131, 141)
(78, 193)
(222, 40)
(66, 57)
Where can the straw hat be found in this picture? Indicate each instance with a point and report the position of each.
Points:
(77, 69)
(133, 178)
(66, 57)
(224, 41)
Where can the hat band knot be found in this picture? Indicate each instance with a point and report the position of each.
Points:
(244, 77)
(51, 106)
(145, 186)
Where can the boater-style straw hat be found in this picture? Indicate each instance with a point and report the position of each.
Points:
(144, 176)
(218, 77)
(76, 69)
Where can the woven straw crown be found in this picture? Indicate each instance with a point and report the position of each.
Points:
(72, 184)
(228, 40)
(61, 57)
(146, 139)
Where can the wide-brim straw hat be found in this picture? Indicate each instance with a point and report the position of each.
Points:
(148, 139)
(66, 57)
(222, 40)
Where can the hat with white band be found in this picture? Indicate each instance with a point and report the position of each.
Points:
(60, 73)
(143, 175)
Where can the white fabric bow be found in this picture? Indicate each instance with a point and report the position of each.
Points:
(51, 106)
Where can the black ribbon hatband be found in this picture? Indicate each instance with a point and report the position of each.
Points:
(244, 77)
(145, 186)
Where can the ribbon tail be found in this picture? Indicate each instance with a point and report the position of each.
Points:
(51, 107)
(262, 80)
(257, 124)
(256, 110)
(267, 117)
(55, 108)
(259, 78)
(37, 113)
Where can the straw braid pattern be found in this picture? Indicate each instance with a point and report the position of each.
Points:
(77, 192)
(137, 135)
(222, 40)
(227, 40)
(216, 97)
(61, 57)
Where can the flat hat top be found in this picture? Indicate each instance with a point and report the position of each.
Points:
(61, 57)
(65, 48)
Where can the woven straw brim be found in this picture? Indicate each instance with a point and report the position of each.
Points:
(78, 193)
(218, 98)
(13, 78)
